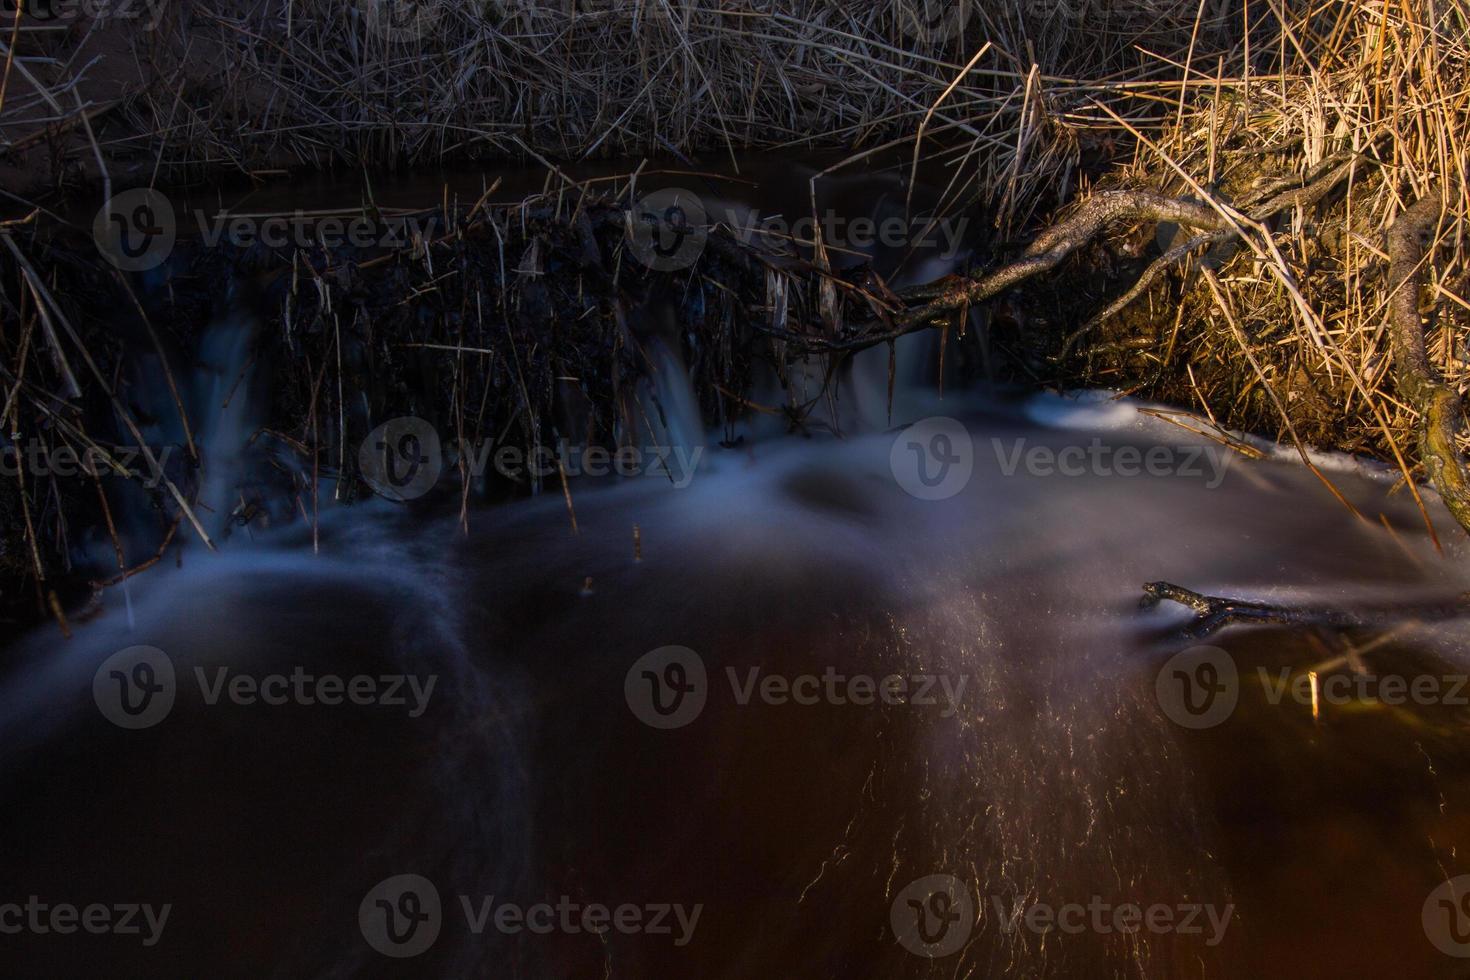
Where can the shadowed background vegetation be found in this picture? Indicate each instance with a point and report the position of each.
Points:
(1340, 114)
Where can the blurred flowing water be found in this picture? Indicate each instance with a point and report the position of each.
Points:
(1047, 771)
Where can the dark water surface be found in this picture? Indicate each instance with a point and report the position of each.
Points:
(1036, 795)
(1056, 778)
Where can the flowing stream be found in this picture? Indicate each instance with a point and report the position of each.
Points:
(752, 803)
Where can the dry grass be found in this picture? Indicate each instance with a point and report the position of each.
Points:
(1389, 82)
(1036, 105)
(251, 87)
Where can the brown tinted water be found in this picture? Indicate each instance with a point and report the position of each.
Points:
(744, 833)
(1056, 777)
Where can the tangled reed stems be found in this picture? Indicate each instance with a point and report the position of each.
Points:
(1257, 206)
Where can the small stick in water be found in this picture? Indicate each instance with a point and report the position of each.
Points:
(637, 543)
(1216, 612)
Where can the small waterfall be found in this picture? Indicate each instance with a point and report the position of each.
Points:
(225, 410)
(671, 416)
(1055, 777)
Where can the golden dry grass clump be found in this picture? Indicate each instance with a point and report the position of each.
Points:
(1293, 334)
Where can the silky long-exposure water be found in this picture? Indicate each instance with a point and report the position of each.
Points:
(876, 704)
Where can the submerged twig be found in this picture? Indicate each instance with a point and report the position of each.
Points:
(1213, 613)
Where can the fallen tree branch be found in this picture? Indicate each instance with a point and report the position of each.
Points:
(1214, 613)
(1061, 240)
(1438, 405)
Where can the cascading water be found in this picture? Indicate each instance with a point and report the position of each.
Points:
(518, 762)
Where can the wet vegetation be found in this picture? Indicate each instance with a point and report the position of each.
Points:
(1190, 202)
